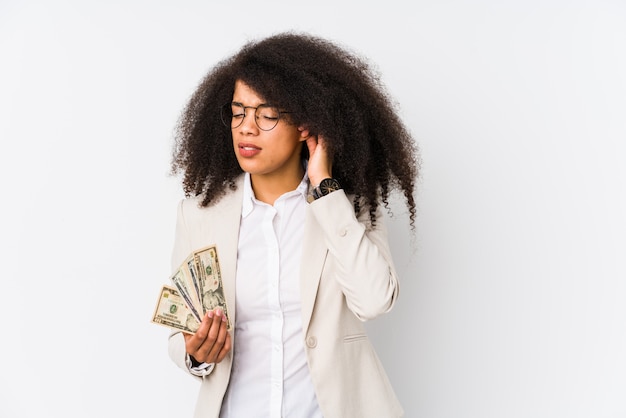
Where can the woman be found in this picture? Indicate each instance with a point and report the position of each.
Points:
(287, 150)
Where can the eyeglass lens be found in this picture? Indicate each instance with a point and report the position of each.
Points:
(265, 116)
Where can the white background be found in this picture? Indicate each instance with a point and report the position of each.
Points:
(513, 293)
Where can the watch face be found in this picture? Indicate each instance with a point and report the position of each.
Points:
(328, 186)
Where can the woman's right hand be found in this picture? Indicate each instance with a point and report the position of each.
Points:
(211, 342)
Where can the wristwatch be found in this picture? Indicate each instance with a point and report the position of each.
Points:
(325, 187)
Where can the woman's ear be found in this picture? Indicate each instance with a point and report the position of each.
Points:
(304, 133)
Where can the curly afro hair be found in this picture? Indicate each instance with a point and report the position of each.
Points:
(330, 90)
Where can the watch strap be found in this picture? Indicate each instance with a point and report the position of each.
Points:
(326, 186)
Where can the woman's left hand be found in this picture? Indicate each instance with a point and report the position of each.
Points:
(320, 162)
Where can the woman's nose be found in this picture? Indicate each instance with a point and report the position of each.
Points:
(249, 121)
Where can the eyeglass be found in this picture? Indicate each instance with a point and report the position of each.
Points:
(266, 116)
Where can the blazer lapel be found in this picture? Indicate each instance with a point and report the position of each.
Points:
(313, 257)
(222, 229)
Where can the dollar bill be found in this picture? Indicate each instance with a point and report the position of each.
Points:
(172, 311)
(209, 278)
(193, 281)
(180, 280)
(195, 288)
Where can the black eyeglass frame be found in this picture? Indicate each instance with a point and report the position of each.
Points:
(226, 114)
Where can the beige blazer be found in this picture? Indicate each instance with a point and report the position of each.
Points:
(347, 277)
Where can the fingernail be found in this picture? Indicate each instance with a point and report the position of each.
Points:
(210, 314)
(218, 312)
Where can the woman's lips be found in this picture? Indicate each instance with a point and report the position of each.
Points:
(248, 150)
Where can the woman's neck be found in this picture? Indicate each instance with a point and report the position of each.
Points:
(268, 188)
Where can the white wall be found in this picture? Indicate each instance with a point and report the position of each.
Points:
(512, 304)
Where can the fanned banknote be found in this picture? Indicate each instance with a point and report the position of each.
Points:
(210, 280)
(172, 311)
(197, 286)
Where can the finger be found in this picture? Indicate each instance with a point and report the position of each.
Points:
(217, 335)
(225, 349)
(200, 345)
(322, 149)
(311, 143)
(214, 320)
(195, 341)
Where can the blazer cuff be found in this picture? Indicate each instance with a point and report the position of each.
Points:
(200, 370)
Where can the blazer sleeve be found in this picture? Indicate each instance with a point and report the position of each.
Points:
(358, 254)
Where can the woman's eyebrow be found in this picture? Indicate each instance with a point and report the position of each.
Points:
(253, 107)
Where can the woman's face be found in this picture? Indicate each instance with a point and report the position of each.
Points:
(269, 154)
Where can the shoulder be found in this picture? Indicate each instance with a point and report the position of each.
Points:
(344, 207)
(198, 226)
(193, 205)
